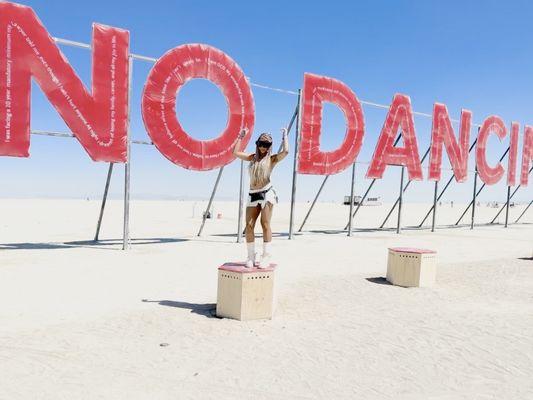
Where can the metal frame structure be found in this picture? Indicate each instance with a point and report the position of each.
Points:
(296, 117)
(127, 165)
(294, 171)
(506, 206)
(475, 194)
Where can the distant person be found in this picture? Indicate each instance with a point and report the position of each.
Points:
(262, 196)
(451, 203)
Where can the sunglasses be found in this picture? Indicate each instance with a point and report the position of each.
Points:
(263, 143)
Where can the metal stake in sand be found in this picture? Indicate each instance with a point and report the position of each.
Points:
(404, 190)
(204, 217)
(480, 189)
(294, 172)
(474, 202)
(507, 205)
(434, 206)
(350, 222)
(512, 195)
(126, 232)
(241, 193)
(400, 203)
(445, 187)
(368, 189)
(313, 203)
(523, 212)
(104, 200)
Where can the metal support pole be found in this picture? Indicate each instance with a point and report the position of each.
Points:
(126, 231)
(241, 204)
(503, 207)
(313, 203)
(294, 172)
(404, 190)
(438, 198)
(361, 201)
(433, 220)
(104, 200)
(445, 187)
(523, 212)
(291, 123)
(399, 225)
(480, 189)
(507, 205)
(350, 223)
(204, 217)
(368, 189)
(512, 195)
(474, 202)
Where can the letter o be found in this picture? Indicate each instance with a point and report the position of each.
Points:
(173, 70)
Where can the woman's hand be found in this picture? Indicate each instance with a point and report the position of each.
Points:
(243, 133)
(283, 133)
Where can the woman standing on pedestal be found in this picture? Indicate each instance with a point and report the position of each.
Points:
(262, 196)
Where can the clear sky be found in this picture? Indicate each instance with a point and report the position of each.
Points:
(467, 54)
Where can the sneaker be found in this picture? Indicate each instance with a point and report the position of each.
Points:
(265, 261)
(250, 263)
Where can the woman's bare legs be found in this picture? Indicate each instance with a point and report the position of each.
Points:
(252, 213)
(266, 216)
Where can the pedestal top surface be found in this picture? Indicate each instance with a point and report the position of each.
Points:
(241, 267)
(412, 250)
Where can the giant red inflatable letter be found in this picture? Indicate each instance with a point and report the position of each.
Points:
(99, 121)
(317, 90)
(513, 150)
(168, 75)
(489, 175)
(442, 132)
(400, 115)
(527, 154)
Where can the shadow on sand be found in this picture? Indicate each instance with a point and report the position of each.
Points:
(207, 310)
(100, 244)
(380, 280)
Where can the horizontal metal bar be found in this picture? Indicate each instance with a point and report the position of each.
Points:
(87, 46)
(70, 135)
(72, 43)
(271, 88)
(143, 58)
(67, 42)
(51, 133)
(142, 142)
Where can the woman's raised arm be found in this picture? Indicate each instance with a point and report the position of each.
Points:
(284, 146)
(236, 149)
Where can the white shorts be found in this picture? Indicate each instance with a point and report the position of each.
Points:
(262, 196)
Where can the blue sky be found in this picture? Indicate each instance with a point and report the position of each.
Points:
(476, 55)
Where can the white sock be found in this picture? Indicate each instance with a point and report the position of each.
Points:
(266, 248)
(250, 246)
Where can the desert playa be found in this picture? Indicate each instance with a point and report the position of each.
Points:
(86, 320)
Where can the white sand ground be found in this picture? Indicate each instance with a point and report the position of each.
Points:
(80, 320)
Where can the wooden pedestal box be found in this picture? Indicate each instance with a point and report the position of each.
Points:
(245, 293)
(411, 267)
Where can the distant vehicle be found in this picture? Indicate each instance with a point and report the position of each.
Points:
(356, 200)
(372, 201)
(369, 201)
